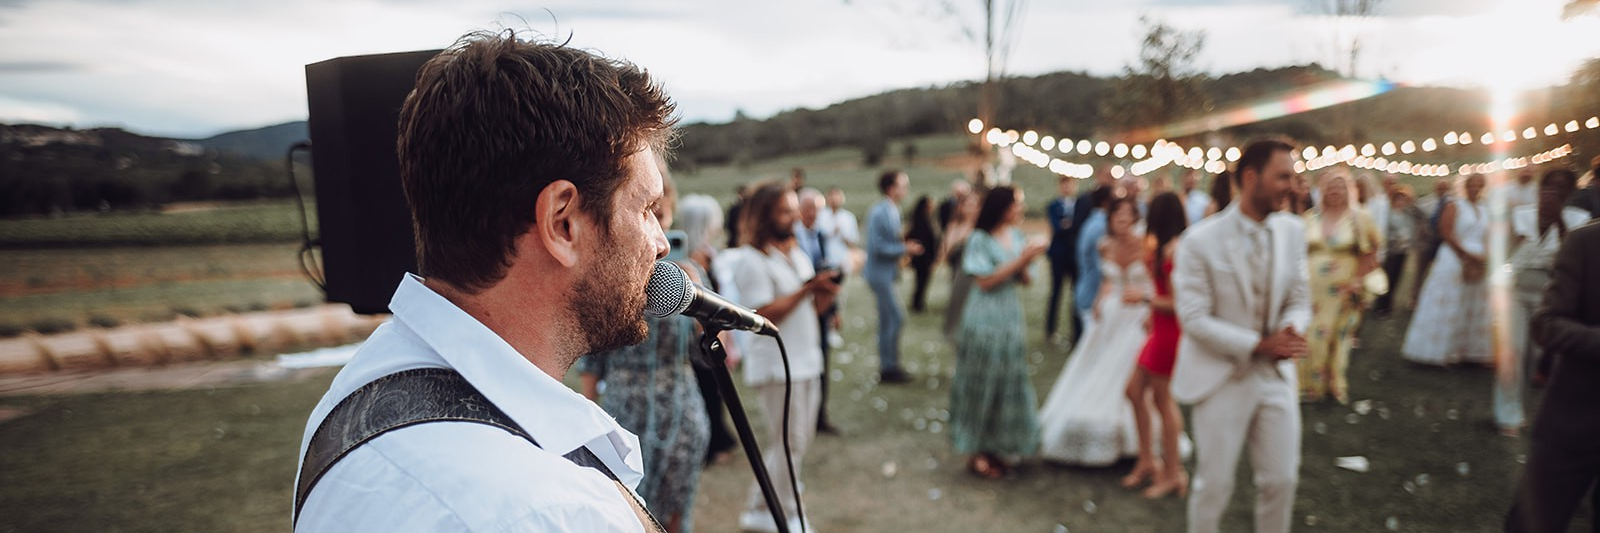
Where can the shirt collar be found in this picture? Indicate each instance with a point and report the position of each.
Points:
(1246, 224)
(560, 419)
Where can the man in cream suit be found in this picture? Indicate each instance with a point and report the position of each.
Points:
(1243, 301)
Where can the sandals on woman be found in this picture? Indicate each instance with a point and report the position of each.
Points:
(1141, 474)
(986, 467)
(1164, 486)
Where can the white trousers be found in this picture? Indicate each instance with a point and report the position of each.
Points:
(802, 430)
(1260, 410)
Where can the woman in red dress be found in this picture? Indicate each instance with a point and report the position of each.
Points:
(1148, 389)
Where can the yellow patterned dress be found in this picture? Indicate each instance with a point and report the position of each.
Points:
(1334, 260)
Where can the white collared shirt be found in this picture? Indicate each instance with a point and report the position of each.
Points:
(764, 276)
(1538, 252)
(464, 476)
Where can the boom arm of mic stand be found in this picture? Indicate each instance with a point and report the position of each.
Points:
(716, 358)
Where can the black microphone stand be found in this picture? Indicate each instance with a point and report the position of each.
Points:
(715, 357)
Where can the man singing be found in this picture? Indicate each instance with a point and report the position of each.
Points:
(529, 169)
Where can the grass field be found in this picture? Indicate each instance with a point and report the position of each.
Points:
(223, 459)
(125, 462)
(266, 221)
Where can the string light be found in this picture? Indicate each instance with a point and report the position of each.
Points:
(1162, 152)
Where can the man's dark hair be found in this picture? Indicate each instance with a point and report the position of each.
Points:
(886, 180)
(755, 224)
(492, 121)
(996, 204)
(1256, 156)
(1100, 196)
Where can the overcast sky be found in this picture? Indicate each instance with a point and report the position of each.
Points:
(193, 68)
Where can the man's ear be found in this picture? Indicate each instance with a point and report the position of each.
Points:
(559, 221)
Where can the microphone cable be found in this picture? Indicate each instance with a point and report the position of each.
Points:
(307, 246)
(788, 456)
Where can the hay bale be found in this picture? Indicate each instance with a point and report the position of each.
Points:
(312, 327)
(132, 346)
(22, 355)
(178, 342)
(219, 336)
(75, 351)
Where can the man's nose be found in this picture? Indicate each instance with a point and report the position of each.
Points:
(659, 239)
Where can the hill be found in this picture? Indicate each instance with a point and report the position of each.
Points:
(261, 143)
(45, 170)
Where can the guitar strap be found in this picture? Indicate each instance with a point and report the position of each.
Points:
(420, 396)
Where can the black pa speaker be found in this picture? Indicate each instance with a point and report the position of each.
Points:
(364, 225)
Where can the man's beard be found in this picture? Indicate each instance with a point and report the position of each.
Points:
(609, 303)
(782, 233)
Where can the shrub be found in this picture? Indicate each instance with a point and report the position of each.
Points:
(103, 321)
(49, 325)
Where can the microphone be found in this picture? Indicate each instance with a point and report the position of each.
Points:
(671, 293)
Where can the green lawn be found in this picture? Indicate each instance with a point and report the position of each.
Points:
(266, 221)
(125, 462)
(222, 460)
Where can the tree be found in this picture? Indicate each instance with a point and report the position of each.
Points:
(1348, 19)
(1164, 86)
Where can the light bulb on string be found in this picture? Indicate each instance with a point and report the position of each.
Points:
(1551, 129)
(1408, 147)
(1572, 126)
(1138, 151)
(1388, 148)
(1047, 143)
(975, 126)
(1120, 150)
(1101, 148)
(1450, 139)
(1232, 154)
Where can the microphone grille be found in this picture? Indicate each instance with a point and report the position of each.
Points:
(669, 292)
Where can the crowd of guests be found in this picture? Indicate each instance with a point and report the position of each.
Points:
(1330, 250)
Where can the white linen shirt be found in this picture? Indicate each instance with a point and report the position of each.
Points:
(763, 276)
(1538, 252)
(465, 476)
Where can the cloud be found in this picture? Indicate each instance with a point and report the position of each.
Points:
(194, 68)
(36, 67)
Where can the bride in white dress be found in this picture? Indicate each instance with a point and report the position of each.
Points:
(1086, 419)
(1452, 322)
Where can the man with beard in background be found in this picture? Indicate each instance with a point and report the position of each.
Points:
(777, 279)
(529, 169)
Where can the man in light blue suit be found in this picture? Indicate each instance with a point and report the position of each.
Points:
(1087, 285)
(885, 247)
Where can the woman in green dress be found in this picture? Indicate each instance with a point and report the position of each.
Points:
(991, 400)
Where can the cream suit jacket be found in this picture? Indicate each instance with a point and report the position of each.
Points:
(1218, 310)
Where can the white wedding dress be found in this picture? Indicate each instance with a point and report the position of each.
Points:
(1086, 419)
